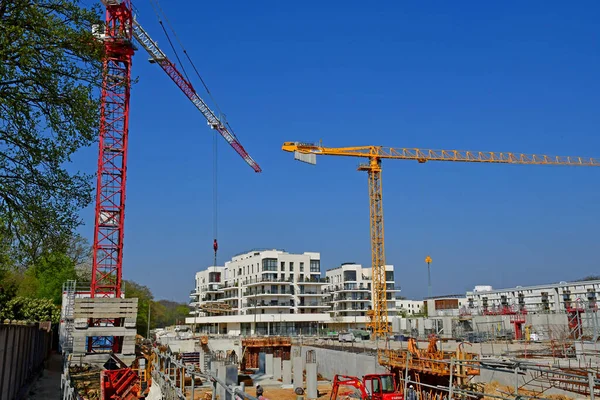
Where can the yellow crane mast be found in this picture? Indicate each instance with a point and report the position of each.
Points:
(307, 152)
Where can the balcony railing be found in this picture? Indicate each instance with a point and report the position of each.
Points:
(313, 279)
(312, 304)
(274, 303)
(266, 279)
(366, 297)
(251, 293)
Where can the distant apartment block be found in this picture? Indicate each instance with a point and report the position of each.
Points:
(551, 298)
(409, 307)
(262, 292)
(351, 292)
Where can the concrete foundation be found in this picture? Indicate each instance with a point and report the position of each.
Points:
(286, 378)
(311, 381)
(298, 372)
(269, 364)
(331, 362)
(276, 368)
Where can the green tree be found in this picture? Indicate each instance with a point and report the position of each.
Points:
(26, 309)
(44, 280)
(144, 296)
(50, 68)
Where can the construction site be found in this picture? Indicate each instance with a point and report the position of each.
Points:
(289, 330)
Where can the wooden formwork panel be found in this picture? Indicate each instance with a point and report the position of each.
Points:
(105, 308)
(105, 331)
(251, 348)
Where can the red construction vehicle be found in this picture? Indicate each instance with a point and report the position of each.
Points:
(372, 387)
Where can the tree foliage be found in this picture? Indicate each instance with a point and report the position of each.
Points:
(162, 313)
(50, 66)
(144, 296)
(26, 309)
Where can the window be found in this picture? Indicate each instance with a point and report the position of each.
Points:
(389, 276)
(301, 267)
(269, 264)
(315, 265)
(291, 266)
(283, 265)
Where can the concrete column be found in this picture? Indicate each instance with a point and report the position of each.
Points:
(269, 364)
(311, 380)
(261, 363)
(276, 367)
(201, 359)
(287, 372)
(222, 375)
(298, 370)
(231, 377)
(213, 366)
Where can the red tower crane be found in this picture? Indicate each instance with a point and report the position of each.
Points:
(118, 33)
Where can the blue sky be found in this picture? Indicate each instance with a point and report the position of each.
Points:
(506, 76)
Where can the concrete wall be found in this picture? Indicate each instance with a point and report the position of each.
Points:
(331, 362)
(23, 349)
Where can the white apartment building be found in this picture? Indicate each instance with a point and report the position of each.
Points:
(261, 292)
(410, 307)
(551, 298)
(350, 293)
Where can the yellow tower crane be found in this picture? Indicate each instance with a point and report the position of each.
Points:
(307, 152)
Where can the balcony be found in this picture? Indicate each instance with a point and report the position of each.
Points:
(266, 279)
(259, 293)
(352, 298)
(313, 281)
(309, 293)
(213, 288)
(348, 287)
(272, 303)
(312, 304)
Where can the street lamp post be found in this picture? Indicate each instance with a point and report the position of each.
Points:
(428, 261)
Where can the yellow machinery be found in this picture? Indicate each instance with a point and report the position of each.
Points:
(307, 152)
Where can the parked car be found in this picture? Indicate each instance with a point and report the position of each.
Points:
(346, 337)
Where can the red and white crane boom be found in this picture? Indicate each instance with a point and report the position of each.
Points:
(186, 87)
(117, 34)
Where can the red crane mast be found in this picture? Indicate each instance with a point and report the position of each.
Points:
(112, 155)
(120, 30)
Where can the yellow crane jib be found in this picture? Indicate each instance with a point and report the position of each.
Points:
(308, 152)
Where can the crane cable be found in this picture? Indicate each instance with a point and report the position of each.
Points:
(158, 11)
(222, 117)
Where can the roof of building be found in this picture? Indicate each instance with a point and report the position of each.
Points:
(534, 287)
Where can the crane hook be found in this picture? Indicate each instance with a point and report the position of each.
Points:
(215, 248)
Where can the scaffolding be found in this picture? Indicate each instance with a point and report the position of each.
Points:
(67, 320)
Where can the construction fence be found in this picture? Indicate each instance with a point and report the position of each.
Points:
(24, 347)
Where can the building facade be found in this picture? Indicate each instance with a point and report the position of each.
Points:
(552, 298)
(261, 292)
(350, 292)
(410, 307)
